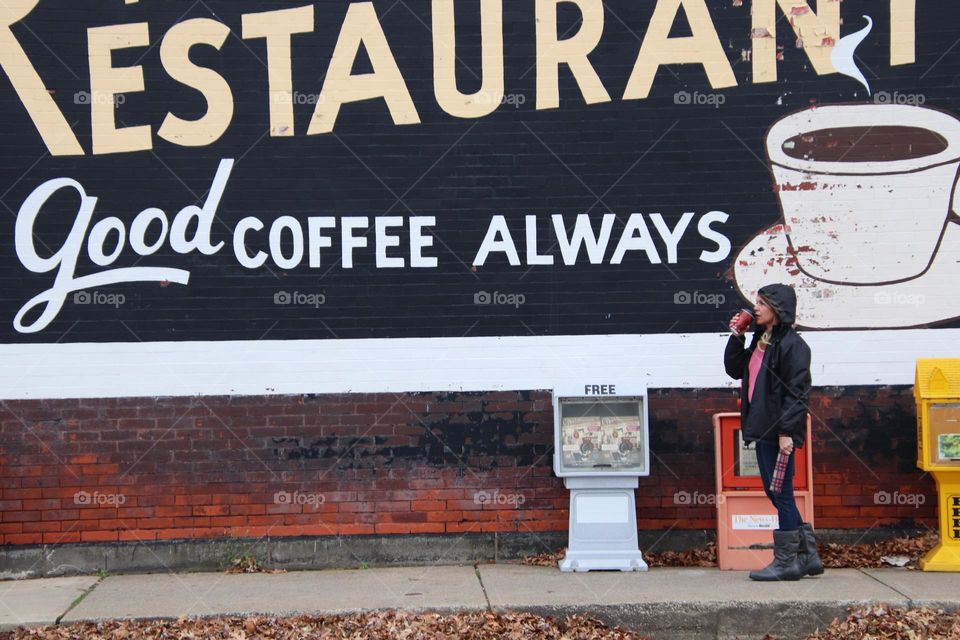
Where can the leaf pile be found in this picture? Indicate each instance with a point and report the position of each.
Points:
(706, 557)
(247, 563)
(544, 559)
(893, 552)
(690, 558)
(864, 556)
(880, 622)
(383, 625)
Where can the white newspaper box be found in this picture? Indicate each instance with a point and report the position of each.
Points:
(600, 450)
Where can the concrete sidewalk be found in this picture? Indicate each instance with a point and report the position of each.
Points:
(661, 603)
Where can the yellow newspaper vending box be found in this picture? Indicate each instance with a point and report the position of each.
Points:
(937, 391)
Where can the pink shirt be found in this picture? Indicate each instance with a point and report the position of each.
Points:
(756, 361)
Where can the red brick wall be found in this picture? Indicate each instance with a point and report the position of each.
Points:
(864, 444)
(174, 468)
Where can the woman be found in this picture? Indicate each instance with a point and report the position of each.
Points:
(775, 374)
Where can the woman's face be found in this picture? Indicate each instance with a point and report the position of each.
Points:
(764, 314)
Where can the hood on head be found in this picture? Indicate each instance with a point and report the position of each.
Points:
(782, 299)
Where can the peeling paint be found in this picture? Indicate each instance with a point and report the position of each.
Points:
(787, 186)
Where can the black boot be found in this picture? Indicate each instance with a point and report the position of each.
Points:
(786, 544)
(807, 556)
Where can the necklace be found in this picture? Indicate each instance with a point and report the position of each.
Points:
(765, 339)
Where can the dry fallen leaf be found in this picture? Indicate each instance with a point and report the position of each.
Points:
(868, 623)
(706, 557)
(883, 622)
(864, 556)
(835, 556)
(382, 625)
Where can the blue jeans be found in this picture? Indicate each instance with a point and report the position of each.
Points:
(785, 503)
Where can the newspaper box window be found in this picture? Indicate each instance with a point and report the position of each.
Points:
(601, 449)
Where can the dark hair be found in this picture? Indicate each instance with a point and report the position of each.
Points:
(770, 304)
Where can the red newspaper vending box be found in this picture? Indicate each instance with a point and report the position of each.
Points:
(745, 517)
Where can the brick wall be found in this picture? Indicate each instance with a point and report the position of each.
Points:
(145, 469)
(864, 444)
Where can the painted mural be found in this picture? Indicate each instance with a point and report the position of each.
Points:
(235, 170)
(869, 235)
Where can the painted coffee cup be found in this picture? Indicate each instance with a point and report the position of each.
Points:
(866, 190)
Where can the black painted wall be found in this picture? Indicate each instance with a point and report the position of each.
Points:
(622, 157)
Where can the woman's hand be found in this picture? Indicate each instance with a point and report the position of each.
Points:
(731, 323)
(786, 444)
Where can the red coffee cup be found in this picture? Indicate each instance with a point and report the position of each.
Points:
(741, 322)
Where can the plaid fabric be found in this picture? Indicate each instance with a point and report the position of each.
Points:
(779, 471)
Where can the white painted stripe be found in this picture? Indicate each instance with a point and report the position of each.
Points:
(437, 364)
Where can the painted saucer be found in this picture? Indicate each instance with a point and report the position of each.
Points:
(918, 302)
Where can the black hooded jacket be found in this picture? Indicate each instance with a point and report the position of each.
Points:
(782, 388)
